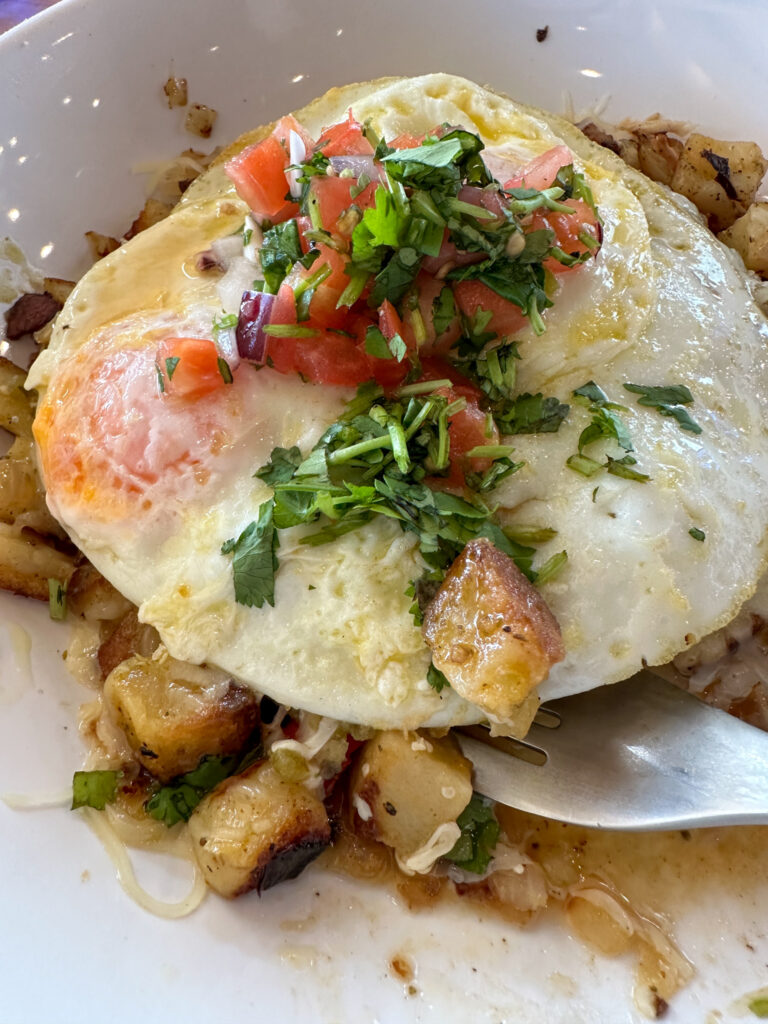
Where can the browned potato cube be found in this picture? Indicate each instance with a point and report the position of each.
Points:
(27, 563)
(721, 178)
(152, 213)
(16, 404)
(59, 288)
(173, 713)
(405, 789)
(101, 245)
(749, 237)
(255, 830)
(491, 632)
(128, 637)
(658, 154)
(94, 597)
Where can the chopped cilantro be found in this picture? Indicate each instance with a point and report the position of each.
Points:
(590, 392)
(94, 789)
(675, 394)
(226, 322)
(605, 425)
(289, 331)
(394, 280)
(225, 370)
(551, 568)
(584, 465)
(436, 679)
(160, 379)
(443, 311)
(283, 463)
(57, 599)
(696, 533)
(531, 534)
(280, 249)
(254, 560)
(175, 801)
(669, 401)
(480, 832)
(758, 1006)
(376, 344)
(532, 414)
(623, 468)
(305, 290)
(170, 366)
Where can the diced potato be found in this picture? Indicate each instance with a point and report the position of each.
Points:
(28, 562)
(152, 213)
(175, 90)
(94, 597)
(200, 120)
(620, 142)
(749, 237)
(101, 245)
(16, 404)
(20, 489)
(405, 786)
(129, 637)
(658, 155)
(721, 178)
(255, 830)
(173, 714)
(490, 631)
(59, 288)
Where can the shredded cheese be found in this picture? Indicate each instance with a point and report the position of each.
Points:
(118, 854)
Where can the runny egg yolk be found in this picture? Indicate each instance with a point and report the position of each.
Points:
(117, 438)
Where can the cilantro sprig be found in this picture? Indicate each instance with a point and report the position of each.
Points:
(480, 832)
(94, 789)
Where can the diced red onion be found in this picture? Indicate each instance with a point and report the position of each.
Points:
(297, 153)
(359, 165)
(255, 310)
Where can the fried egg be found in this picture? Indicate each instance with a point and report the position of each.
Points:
(150, 486)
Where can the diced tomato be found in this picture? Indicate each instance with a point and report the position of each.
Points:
(322, 307)
(259, 172)
(567, 228)
(472, 296)
(344, 139)
(406, 141)
(197, 372)
(328, 357)
(333, 197)
(288, 124)
(304, 224)
(542, 170)
(259, 176)
(390, 323)
(325, 357)
(467, 428)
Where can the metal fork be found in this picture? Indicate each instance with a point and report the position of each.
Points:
(637, 755)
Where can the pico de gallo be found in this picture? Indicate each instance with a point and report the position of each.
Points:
(404, 269)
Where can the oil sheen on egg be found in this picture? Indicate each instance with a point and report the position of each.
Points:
(150, 487)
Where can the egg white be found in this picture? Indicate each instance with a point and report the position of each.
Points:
(663, 303)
